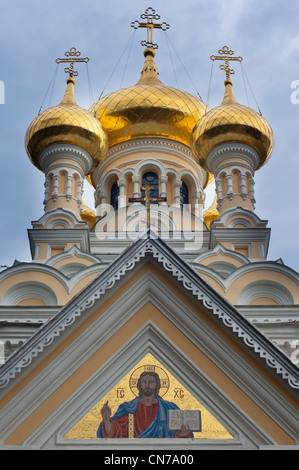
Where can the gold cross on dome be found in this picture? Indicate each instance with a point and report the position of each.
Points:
(226, 55)
(72, 56)
(150, 15)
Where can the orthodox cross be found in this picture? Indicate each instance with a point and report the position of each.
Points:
(72, 56)
(150, 15)
(226, 55)
(147, 188)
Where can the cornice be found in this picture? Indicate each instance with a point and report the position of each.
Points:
(150, 145)
(52, 235)
(251, 234)
(235, 150)
(55, 151)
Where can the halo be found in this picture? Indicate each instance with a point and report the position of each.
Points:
(164, 379)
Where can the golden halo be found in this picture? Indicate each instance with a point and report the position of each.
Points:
(164, 379)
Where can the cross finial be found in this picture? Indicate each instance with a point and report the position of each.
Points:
(147, 188)
(226, 55)
(150, 15)
(72, 56)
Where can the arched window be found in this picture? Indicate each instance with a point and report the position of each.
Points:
(184, 195)
(114, 193)
(151, 178)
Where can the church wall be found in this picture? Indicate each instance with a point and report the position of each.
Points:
(117, 338)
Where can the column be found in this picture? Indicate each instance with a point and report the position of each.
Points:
(136, 186)
(122, 193)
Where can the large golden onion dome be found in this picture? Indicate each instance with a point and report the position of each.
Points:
(66, 123)
(149, 108)
(231, 122)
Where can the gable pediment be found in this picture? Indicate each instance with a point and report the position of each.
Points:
(208, 299)
(71, 396)
(147, 301)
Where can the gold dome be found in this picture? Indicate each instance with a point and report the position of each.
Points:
(231, 122)
(68, 123)
(149, 109)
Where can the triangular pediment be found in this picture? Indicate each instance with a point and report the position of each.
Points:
(147, 302)
(224, 424)
(208, 298)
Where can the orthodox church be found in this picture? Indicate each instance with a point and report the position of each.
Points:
(147, 322)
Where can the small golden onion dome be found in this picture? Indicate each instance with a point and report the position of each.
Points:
(87, 214)
(211, 213)
(66, 123)
(231, 122)
(149, 108)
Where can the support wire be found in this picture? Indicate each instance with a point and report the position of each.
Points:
(184, 67)
(210, 84)
(243, 71)
(89, 86)
(177, 83)
(118, 62)
(131, 42)
(52, 82)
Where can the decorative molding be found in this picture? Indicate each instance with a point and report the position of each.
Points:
(239, 235)
(220, 249)
(277, 317)
(58, 151)
(57, 168)
(223, 268)
(68, 284)
(73, 251)
(241, 221)
(148, 338)
(247, 267)
(209, 299)
(239, 211)
(232, 150)
(16, 315)
(29, 290)
(59, 212)
(51, 236)
(268, 289)
(149, 145)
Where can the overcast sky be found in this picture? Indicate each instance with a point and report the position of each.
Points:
(33, 33)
